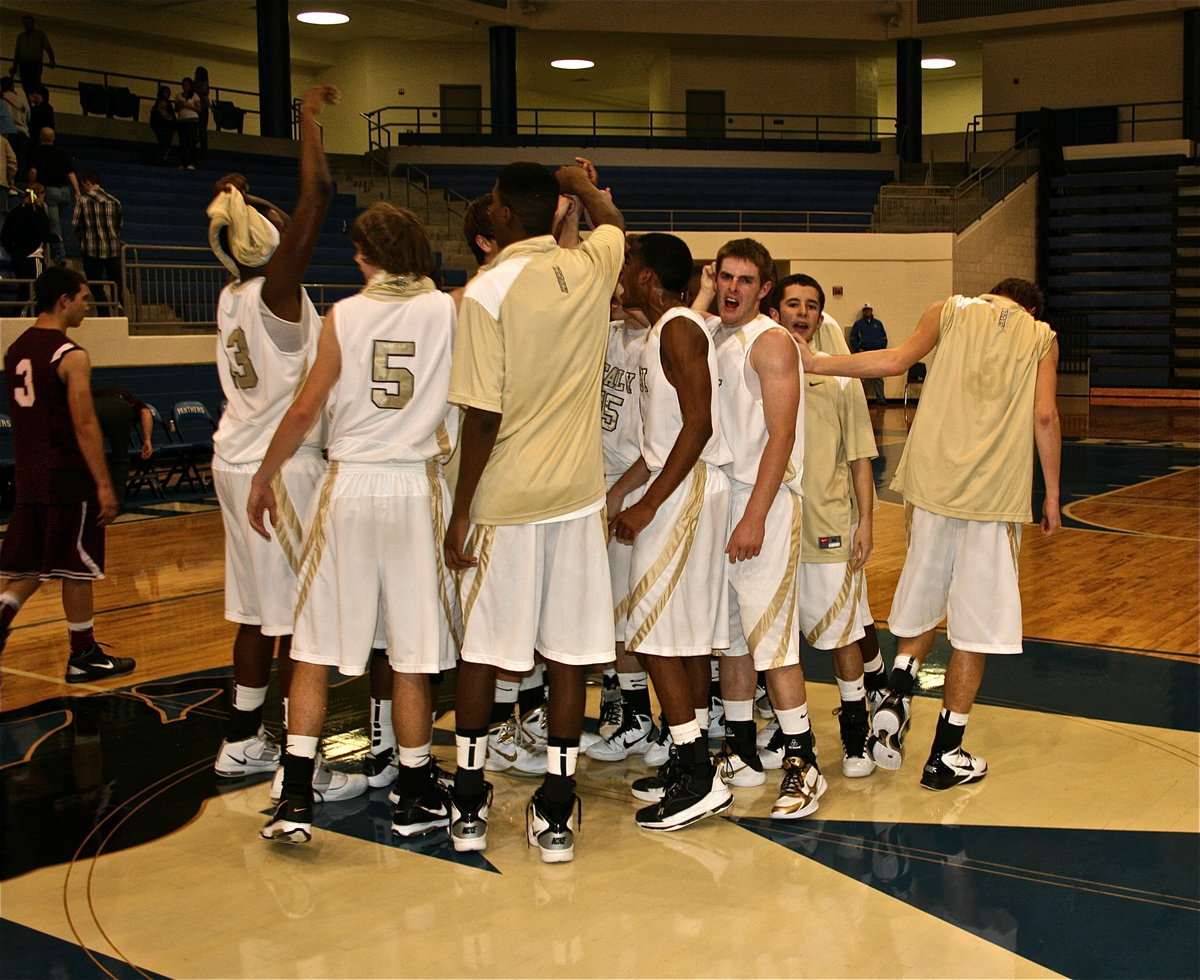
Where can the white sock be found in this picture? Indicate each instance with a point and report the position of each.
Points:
(794, 721)
(248, 698)
(303, 746)
(739, 710)
(854, 690)
(413, 758)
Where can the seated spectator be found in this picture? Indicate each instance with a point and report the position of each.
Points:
(18, 106)
(162, 122)
(187, 118)
(51, 166)
(116, 411)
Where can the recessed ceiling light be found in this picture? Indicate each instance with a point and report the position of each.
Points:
(572, 64)
(935, 63)
(321, 17)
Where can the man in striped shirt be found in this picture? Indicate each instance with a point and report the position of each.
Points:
(97, 224)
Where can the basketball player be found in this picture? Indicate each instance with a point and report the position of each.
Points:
(677, 596)
(372, 559)
(266, 337)
(838, 447)
(966, 475)
(761, 405)
(64, 497)
(528, 362)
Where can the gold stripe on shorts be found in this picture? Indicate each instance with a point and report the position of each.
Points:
(443, 440)
(1014, 545)
(289, 532)
(908, 522)
(481, 538)
(835, 610)
(433, 471)
(785, 592)
(681, 541)
(314, 547)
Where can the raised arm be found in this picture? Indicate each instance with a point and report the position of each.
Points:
(75, 370)
(776, 361)
(1047, 435)
(598, 205)
(295, 424)
(880, 363)
(285, 271)
(704, 295)
(684, 355)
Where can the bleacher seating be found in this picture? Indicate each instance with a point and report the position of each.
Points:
(713, 192)
(1111, 236)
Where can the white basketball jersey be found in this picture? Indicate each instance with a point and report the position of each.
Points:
(260, 381)
(620, 413)
(742, 419)
(661, 417)
(389, 403)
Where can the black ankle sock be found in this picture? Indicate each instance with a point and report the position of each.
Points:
(558, 789)
(298, 774)
(901, 681)
(638, 701)
(948, 736)
(802, 746)
(411, 782)
(741, 736)
(468, 784)
(529, 699)
(243, 724)
(501, 712)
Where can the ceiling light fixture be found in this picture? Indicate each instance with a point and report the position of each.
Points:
(321, 17)
(572, 64)
(935, 63)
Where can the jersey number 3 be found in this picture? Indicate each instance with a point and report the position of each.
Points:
(25, 395)
(244, 375)
(382, 370)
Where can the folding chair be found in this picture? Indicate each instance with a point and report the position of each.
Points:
(915, 378)
(193, 425)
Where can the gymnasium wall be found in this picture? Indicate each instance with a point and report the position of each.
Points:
(1000, 244)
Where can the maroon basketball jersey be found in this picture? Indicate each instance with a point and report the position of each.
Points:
(50, 468)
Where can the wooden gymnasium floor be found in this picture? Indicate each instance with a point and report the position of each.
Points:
(124, 856)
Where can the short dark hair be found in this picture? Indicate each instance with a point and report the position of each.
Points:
(91, 177)
(43, 92)
(667, 256)
(6, 83)
(752, 251)
(477, 221)
(1027, 294)
(530, 191)
(58, 280)
(797, 279)
(394, 239)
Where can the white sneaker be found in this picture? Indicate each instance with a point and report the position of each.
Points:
(512, 749)
(762, 705)
(551, 828)
(716, 717)
(381, 768)
(537, 726)
(632, 738)
(767, 732)
(587, 740)
(800, 790)
(612, 712)
(953, 768)
(328, 784)
(258, 753)
(659, 749)
(736, 771)
(771, 754)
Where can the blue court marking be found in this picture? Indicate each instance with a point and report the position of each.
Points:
(1088, 682)
(20, 739)
(32, 953)
(1084, 903)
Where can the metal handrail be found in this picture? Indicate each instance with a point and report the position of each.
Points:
(977, 123)
(634, 123)
(105, 75)
(17, 307)
(750, 220)
(416, 177)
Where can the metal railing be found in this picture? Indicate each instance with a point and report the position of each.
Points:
(1133, 121)
(701, 220)
(904, 207)
(446, 206)
(147, 92)
(174, 288)
(16, 298)
(622, 126)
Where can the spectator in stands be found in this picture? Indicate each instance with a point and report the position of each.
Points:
(25, 232)
(162, 122)
(41, 116)
(187, 118)
(18, 107)
(51, 166)
(868, 334)
(31, 47)
(97, 224)
(202, 90)
(116, 411)
(8, 174)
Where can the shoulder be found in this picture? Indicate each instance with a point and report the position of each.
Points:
(490, 287)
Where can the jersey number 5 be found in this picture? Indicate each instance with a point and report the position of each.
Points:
(244, 375)
(401, 377)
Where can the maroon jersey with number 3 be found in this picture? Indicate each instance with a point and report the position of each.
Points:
(49, 466)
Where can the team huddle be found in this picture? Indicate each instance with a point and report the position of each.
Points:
(635, 483)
